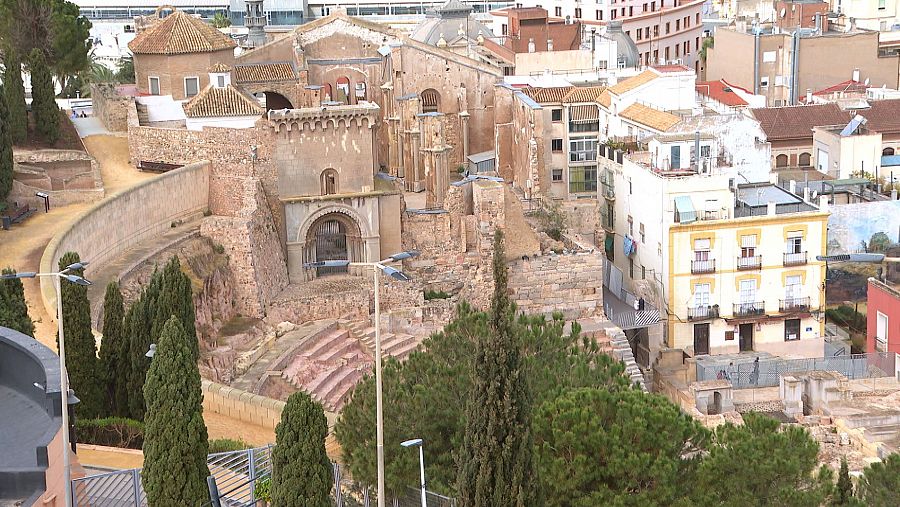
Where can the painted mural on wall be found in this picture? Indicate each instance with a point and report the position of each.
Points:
(863, 227)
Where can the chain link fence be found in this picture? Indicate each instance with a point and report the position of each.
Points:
(768, 372)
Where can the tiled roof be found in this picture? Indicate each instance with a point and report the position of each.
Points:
(883, 116)
(849, 86)
(720, 91)
(219, 68)
(633, 82)
(797, 122)
(672, 68)
(546, 95)
(180, 33)
(605, 99)
(584, 112)
(584, 94)
(215, 102)
(649, 117)
(263, 72)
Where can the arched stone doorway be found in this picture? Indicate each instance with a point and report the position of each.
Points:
(275, 101)
(334, 236)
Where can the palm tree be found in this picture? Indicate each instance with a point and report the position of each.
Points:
(220, 20)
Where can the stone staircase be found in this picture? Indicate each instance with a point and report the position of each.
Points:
(616, 345)
(398, 345)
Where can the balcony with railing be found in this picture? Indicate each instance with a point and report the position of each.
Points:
(749, 309)
(700, 267)
(793, 305)
(752, 262)
(703, 312)
(795, 259)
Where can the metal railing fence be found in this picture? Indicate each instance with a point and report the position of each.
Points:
(768, 372)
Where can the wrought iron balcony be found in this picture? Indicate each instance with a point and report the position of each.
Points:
(793, 305)
(795, 259)
(749, 309)
(707, 266)
(703, 312)
(754, 262)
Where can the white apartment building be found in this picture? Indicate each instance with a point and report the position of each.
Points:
(879, 15)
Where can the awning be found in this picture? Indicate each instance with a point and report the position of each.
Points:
(684, 208)
(584, 114)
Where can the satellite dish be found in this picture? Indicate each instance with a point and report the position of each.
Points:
(867, 82)
(782, 12)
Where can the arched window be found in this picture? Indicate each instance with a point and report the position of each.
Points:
(781, 160)
(431, 101)
(804, 160)
(329, 182)
(360, 92)
(327, 93)
(887, 152)
(343, 90)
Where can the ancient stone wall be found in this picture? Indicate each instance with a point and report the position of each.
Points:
(571, 284)
(67, 176)
(110, 107)
(241, 405)
(520, 142)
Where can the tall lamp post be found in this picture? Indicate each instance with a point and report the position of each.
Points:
(418, 442)
(377, 267)
(63, 372)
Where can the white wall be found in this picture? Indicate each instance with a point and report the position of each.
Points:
(234, 122)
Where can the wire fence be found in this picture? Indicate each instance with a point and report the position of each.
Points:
(768, 372)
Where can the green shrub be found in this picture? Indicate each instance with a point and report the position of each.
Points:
(226, 445)
(218, 248)
(846, 316)
(553, 220)
(110, 431)
(431, 294)
(264, 489)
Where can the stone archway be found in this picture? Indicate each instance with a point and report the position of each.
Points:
(333, 236)
(275, 101)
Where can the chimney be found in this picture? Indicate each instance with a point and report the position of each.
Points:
(792, 186)
(549, 44)
(531, 45)
(809, 95)
(855, 75)
(819, 23)
(805, 194)
(771, 208)
(823, 203)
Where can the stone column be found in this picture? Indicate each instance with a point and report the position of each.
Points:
(391, 121)
(414, 183)
(464, 125)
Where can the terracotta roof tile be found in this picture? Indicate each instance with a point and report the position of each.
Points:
(633, 82)
(546, 95)
(883, 116)
(720, 91)
(649, 117)
(849, 86)
(605, 99)
(263, 72)
(797, 122)
(583, 113)
(180, 33)
(215, 102)
(584, 94)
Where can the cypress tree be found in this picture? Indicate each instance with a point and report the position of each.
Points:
(175, 438)
(6, 149)
(495, 462)
(14, 93)
(176, 298)
(13, 310)
(81, 348)
(113, 348)
(43, 105)
(843, 489)
(301, 470)
(138, 326)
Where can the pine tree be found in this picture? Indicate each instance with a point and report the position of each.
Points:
(114, 348)
(6, 149)
(175, 437)
(495, 462)
(301, 470)
(46, 112)
(13, 309)
(880, 483)
(14, 93)
(81, 348)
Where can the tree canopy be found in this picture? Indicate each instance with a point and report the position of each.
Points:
(13, 309)
(880, 482)
(301, 470)
(6, 150)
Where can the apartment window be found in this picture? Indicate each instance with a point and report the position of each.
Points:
(220, 81)
(881, 5)
(643, 273)
(647, 35)
(639, 34)
(599, 15)
(677, 50)
(629, 186)
(556, 114)
(612, 14)
(645, 8)
(667, 54)
(601, 64)
(701, 295)
(701, 249)
(697, 19)
(655, 55)
(631, 268)
(631, 10)
(793, 288)
(154, 86)
(582, 150)
(881, 332)
(584, 126)
(656, 30)
(687, 47)
(748, 246)
(630, 226)
(622, 13)
(556, 175)
(704, 151)
(677, 25)
(653, 6)
(687, 22)
(668, 27)
(642, 233)
(191, 86)
(794, 242)
(558, 11)
(764, 81)
(577, 13)
(504, 29)
(583, 179)
(556, 144)
(747, 292)
(791, 329)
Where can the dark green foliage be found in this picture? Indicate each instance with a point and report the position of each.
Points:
(6, 150)
(843, 489)
(125, 72)
(301, 471)
(175, 438)
(14, 94)
(226, 445)
(432, 294)
(43, 105)
(880, 483)
(114, 360)
(846, 316)
(760, 464)
(598, 447)
(110, 431)
(138, 325)
(69, 45)
(81, 349)
(175, 298)
(495, 461)
(13, 309)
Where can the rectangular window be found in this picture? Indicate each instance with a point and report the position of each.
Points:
(791, 329)
(647, 36)
(642, 233)
(612, 14)
(583, 150)
(556, 114)
(643, 273)
(631, 268)
(687, 47)
(769, 57)
(556, 144)
(191, 86)
(504, 29)
(748, 291)
(577, 13)
(697, 19)
(881, 5)
(794, 242)
(653, 8)
(701, 295)
(701, 249)
(668, 28)
(631, 10)
(556, 175)
(881, 332)
(764, 81)
(583, 179)
(793, 287)
(704, 151)
(154, 86)
(599, 15)
(656, 30)
(677, 25)
(639, 34)
(220, 81)
(557, 11)
(645, 8)
(748, 246)
(630, 226)
(667, 54)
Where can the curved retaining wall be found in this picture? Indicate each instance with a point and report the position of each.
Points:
(126, 219)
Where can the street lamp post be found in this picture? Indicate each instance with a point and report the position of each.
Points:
(418, 442)
(63, 372)
(377, 267)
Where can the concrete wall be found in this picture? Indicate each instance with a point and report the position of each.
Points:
(126, 219)
(852, 224)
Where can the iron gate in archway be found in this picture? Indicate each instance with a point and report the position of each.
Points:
(331, 244)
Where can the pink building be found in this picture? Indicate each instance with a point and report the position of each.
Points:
(883, 317)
